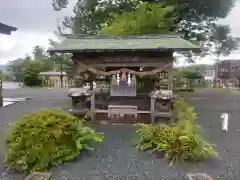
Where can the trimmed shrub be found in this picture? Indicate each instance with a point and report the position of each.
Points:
(47, 138)
(179, 141)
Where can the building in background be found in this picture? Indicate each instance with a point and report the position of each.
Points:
(53, 78)
(228, 72)
(209, 74)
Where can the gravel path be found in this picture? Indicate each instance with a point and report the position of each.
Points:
(116, 158)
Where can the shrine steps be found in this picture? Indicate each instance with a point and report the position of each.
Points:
(102, 115)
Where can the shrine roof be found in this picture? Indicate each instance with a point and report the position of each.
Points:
(6, 29)
(103, 43)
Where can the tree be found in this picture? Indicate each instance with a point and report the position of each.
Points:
(193, 75)
(63, 60)
(38, 52)
(2, 76)
(89, 14)
(31, 72)
(146, 19)
(26, 70)
(188, 76)
(219, 41)
(17, 67)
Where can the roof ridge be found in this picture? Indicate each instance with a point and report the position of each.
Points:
(147, 36)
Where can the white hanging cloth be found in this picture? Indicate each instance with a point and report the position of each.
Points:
(129, 81)
(118, 79)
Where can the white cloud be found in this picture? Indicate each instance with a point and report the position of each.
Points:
(21, 43)
(34, 19)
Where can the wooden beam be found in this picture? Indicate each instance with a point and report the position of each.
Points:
(170, 79)
(137, 73)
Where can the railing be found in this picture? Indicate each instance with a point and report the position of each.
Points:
(119, 111)
(57, 83)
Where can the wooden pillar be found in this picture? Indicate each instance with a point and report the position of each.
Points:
(61, 68)
(152, 110)
(92, 101)
(170, 78)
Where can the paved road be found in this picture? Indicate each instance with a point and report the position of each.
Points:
(39, 93)
(117, 158)
(10, 85)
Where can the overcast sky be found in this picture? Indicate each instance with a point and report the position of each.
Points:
(36, 20)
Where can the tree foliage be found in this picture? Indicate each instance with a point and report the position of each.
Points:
(186, 75)
(218, 41)
(89, 14)
(64, 59)
(17, 67)
(180, 140)
(27, 70)
(38, 52)
(2, 76)
(195, 19)
(146, 19)
(32, 70)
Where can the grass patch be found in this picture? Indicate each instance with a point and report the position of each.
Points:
(224, 90)
(180, 140)
(47, 138)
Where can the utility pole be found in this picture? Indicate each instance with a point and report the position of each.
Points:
(61, 69)
(1, 97)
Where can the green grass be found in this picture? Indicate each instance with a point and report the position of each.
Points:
(218, 90)
(201, 89)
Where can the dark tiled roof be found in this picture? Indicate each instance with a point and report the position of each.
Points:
(102, 43)
(6, 29)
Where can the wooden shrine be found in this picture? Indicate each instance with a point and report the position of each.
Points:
(132, 75)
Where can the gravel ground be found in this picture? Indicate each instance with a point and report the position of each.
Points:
(116, 158)
(37, 93)
(41, 98)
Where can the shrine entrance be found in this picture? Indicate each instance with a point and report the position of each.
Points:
(133, 76)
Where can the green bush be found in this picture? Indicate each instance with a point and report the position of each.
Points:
(32, 80)
(47, 138)
(179, 141)
(184, 117)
